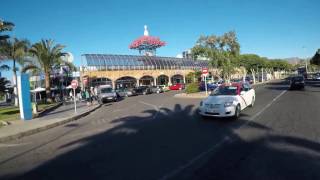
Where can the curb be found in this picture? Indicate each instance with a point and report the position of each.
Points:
(49, 126)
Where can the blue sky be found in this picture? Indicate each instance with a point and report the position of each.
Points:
(272, 28)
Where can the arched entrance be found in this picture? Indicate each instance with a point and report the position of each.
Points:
(177, 79)
(100, 81)
(125, 82)
(162, 80)
(146, 81)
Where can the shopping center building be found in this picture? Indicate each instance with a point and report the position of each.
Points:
(124, 71)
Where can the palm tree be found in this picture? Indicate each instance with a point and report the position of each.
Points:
(5, 26)
(15, 50)
(48, 56)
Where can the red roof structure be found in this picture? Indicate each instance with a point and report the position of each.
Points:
(147, 44)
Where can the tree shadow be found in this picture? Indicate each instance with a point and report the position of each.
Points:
(150, 146)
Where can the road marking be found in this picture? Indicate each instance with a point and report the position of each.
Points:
(214, 147)
(267, 106)
(13, 145)
(148, 104)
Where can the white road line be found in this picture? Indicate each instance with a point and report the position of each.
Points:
(148, 104)
(13, 145)
(212, 148)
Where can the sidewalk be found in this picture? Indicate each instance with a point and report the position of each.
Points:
(59, 116)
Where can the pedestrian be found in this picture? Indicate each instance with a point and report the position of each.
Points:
(87, 95)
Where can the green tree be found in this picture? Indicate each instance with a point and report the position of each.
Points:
(316, 58)
(48, 56)
(222, 51)
(15, 50)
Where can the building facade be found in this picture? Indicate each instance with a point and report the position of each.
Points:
(125, 71)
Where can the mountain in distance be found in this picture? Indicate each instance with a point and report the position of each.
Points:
(294, 60)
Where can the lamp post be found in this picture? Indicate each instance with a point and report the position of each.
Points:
(304, 49)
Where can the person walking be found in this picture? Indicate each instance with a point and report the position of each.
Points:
(88, 98)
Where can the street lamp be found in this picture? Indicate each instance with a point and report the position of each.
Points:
(304, 49)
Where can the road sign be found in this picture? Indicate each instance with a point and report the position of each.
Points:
(205, 74)
(204, 71)
(74, 84)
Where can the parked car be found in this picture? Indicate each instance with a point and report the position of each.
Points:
(177, 86)
(249, 79)
(156, 89)
(164, 88)
(228, 100)
(210, 86)
(126, 92)
(143, 90)
(106, 94)
(297, 82)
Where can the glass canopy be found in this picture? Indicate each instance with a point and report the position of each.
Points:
(121, 62)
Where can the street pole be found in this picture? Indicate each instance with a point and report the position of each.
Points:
(75, 101)
(258, 73)
(304, 48)
(205, 84)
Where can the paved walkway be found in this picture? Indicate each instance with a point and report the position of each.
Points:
(61, 115)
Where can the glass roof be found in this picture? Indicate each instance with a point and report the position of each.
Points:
(151, 62)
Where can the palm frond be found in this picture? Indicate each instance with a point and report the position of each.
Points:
(29, 67)
(4, 67)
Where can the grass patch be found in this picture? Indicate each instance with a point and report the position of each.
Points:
(9, 113)
(192, 88)
(13, 113)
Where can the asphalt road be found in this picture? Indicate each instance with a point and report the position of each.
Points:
(161, 137)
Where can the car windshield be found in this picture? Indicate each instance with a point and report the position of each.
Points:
(225, 90)
(106, 90)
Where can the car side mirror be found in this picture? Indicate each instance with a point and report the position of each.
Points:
(242, 93)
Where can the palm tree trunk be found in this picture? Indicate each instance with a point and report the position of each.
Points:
(48, 91)
(15, 88)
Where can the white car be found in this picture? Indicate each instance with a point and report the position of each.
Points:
(228, 100)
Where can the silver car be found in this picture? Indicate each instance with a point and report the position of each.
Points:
(106, 94)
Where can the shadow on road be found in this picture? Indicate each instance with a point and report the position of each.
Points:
(154, 145)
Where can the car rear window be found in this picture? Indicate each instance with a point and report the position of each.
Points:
(297, 78)
(225, 90)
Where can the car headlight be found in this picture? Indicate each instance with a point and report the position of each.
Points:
(228, 104)
(201, 103)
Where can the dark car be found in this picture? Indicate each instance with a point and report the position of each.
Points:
(126, 92)
(143, 90)
(210, 86)
(156, 89)
(249, 79)
(297, 82)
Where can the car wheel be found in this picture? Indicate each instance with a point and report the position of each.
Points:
(252, 102)
(116, 99)
(237, 112)
(144, 93)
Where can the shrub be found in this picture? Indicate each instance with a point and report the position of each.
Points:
(192, 88)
